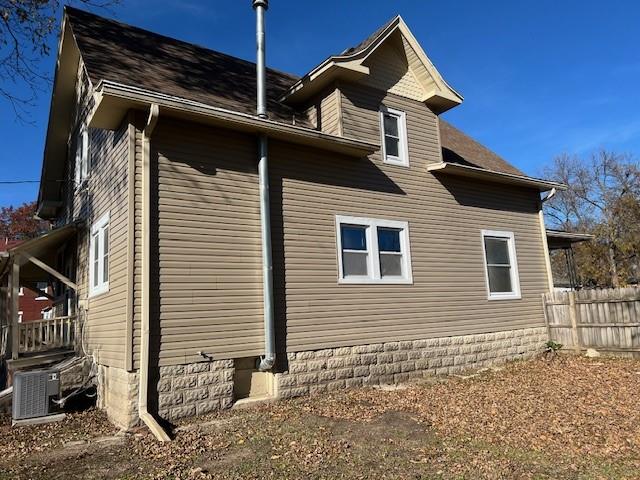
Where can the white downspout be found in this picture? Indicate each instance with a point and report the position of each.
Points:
(143, 390)
(269, 359)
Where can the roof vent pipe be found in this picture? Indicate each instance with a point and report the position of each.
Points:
(260, 7)
(269, 359)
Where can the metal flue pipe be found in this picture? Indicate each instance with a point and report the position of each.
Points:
(260, 7)
(268, 360)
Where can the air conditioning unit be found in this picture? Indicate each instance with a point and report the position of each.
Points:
(34, 392)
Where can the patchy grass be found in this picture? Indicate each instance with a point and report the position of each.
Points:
(571, 418)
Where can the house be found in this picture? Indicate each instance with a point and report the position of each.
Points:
(345, 236)
(35, 300)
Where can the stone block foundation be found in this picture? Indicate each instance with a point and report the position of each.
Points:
(194, 389)
(199, 388)
(332, 369)
(118, 395)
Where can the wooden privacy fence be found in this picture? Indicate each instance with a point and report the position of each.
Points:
(605, 319)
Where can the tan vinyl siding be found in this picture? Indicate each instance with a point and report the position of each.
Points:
(105, 190)
(445, 215)
(207, 276)
(389, 71)
(206, 246)
(324, 112)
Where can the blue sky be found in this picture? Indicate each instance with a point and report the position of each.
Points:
(539, 77)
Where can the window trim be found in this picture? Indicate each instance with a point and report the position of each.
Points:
(82, 160)
(373, 251)
(98, 227)
(403, 159)
(515, 293)
(46, 290)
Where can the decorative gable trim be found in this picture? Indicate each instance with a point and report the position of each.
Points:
(353, 65)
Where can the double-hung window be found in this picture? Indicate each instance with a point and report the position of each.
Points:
(501, 266)
(83, 161)
(99, 257)
(393, 126)
(373, 251)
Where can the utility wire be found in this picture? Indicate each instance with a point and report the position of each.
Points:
(10, 182)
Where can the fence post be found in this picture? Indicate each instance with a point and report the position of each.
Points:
(573, 316)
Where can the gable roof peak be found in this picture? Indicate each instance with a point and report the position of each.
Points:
(350, 65)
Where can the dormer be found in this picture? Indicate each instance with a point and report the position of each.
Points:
(390, 60)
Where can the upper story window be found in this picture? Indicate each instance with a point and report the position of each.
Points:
(42, 287)
(83, 160)
(99, 257)
(373, 251)
(501, 266)
(393, 125)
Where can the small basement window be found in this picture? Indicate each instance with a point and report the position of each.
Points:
(501, 267)
(373, 251)
(99, 257)
(393, 125)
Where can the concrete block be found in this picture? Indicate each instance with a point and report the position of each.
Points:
(353, 382)
(182, 411)
(198, 367)
(207, 406)
(170, 399)
(195, 394)
(185, 381)
(315, 365)
(391, 346)
(297, 367)
(307, 378)
(208, 378)
(342, 351)
(293, 392)
(336, 385)
(221, 390)
(326, 375)
(344, 373)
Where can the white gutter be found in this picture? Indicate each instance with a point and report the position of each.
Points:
(143, 375)
(491, 175)
(113, 100)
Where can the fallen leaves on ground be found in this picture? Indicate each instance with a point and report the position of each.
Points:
(570, 418)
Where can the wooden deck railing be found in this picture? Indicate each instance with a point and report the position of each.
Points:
(48, 334)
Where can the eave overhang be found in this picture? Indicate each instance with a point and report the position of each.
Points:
(495, 177)
(59, 124)
(113, 100)
(351, 67)
(557, 239)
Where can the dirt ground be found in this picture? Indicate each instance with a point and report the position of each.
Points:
(571, 418)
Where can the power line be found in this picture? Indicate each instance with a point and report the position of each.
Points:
(9, 182)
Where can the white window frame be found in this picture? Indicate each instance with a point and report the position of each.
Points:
(513, 262)
(83, 163)
(98, 228)
(20, 315)
(373, 265)
(46, 290)
(403, 158)
(21, 291)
